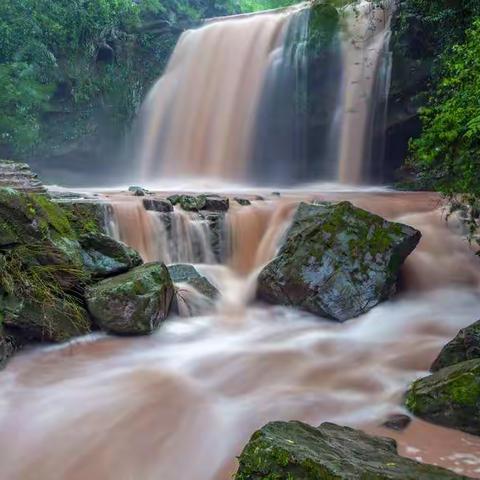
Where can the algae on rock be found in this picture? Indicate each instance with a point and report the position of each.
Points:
(337, 261)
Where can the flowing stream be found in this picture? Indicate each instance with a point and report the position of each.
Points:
(182, 402)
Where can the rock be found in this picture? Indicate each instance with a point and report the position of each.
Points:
(190, 203)
(465, 346)
(195, 295)
(397, 422)
(219, 236)
(104, 257)
(137, 191)
(215, 203)
(86, 215)
(157, 205)
(337, 261)
(49, 319)
(134, 303)
(20, 177)
(449, 397)
(244, 202)
(184, 273)
(295, 450)
(42, 276)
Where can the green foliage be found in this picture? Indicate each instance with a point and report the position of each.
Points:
(67, 64)
(447, 155)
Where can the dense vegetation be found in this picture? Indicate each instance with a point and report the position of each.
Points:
(74, 72)
(446, 156)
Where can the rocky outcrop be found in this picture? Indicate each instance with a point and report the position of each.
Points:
(103, 256)
(20, 177)
(295, 450)
(449, 397)
(134, 303)
(337, 261)
(465, 346)
(41, 271)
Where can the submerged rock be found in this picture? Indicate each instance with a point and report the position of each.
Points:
(244, 202)
(295, 450)
(337, 261)
(465, 346)
(397, 422)
(188, 303)
(134, 303)
(449, 397)
(103, 256)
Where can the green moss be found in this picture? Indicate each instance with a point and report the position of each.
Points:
(51, 215)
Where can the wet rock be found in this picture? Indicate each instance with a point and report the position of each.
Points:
(137, 191)
(337, 261)
(397, 422)
(188, 303)
(157, 205)
(184, 273)
(449, 397)
(134, 303)
(218, 235)
(190, 203)
(244, 202)
(295, 450)
(104, 257)
(216, 203)
(465, 346)
(20, 177)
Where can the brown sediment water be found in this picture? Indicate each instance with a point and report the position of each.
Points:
(229, 104)
(183, 402)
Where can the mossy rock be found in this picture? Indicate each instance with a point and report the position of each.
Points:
(41, 271)
(86, 216)
(449, 397)
(134, 303)
(103, 256)
(465, 346)
(189, 203)
(297, 451)
(337, 261)
(54, 319)
(184, 273)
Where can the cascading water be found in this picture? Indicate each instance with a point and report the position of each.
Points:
(232, 103)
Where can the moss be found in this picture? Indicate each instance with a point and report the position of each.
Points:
(51, 215)
(449, 397)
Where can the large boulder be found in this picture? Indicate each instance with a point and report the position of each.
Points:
(465, 346)
(103, 256)
(134, 303)
(449, 397)
(295, 450)
(337, 261)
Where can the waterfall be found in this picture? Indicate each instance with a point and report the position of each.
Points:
(278, 97)
(173, 237)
